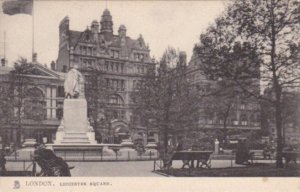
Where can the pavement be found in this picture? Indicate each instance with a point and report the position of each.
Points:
(119, 169)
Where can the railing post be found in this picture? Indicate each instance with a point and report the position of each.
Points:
(65, 152)
(150, 155)
(24, 165)
(83, 153)
(128, 156)
(101, 154)
(116, 155)
(33, 168)
(154, 165)
(15, 154)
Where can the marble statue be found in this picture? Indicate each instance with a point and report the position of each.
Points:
(74, 84)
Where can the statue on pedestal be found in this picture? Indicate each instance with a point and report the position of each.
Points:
(74, 84)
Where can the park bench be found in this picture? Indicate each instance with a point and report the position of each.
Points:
(202, 158)
(256, 154)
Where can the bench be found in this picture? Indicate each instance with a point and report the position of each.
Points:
(202, 158)
(256, 154)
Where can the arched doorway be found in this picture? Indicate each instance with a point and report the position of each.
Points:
(121, 130)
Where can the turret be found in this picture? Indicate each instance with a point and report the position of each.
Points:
(95, 27)
(122, 31)
(106, 25)
(63, 31)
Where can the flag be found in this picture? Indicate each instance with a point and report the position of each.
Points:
(12, 7)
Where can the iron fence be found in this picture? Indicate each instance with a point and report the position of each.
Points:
(82, 156)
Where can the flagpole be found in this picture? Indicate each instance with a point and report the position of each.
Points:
(4, 34)
(33, 31)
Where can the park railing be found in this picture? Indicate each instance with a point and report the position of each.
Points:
(81, 156)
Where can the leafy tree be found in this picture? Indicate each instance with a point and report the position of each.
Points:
(165, 99)
(221, 102)
(20, 83)
(6, 109)
(256, 40)
(97, 96)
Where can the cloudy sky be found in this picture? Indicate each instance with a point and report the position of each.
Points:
(162, 24)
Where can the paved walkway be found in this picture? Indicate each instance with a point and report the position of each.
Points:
(118, 169)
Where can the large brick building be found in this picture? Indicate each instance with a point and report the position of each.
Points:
(119, 60)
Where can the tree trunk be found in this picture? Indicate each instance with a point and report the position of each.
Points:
(277, 90)
(225, 131)
(279, 163)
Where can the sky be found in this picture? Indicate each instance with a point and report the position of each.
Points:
(162, 24)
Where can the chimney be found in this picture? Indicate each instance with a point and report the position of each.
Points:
(53, 66)
(3, 62)
(34, 58)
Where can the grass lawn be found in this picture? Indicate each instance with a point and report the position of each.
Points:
(254, 170)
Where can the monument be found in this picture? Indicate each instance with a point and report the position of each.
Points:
(75, 127)
(75, 135)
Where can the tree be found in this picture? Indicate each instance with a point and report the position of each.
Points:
(256, 40)
(97, 96)
(6, 109)
(221, 102)
(165, 99)
(20, 83)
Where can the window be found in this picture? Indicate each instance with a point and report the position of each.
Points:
(117, 67)
(112, 66)
(116, 100)
(141, 58)
(122, 85)
(243, 106)
(122, 68)
(114, 54)
(106, 65)
(244, 120)
(234, 122)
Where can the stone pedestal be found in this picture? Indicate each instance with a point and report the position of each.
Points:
(75, 127)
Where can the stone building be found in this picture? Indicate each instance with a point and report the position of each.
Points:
(41, 108)
(119, 61)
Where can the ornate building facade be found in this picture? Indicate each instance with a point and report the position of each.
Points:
(119, 62)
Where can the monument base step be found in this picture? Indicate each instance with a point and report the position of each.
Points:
(75, 137)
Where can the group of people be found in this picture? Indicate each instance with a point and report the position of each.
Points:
(50, 164)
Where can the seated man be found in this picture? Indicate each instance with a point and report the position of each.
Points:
(50, 164)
